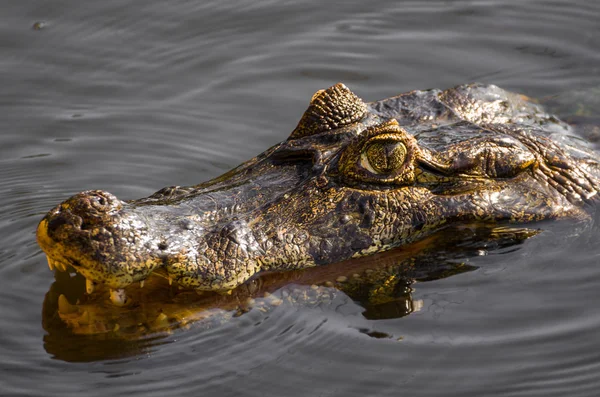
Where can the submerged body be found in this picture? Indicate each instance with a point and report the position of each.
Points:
(353, 179)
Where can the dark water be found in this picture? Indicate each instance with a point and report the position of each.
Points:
(133, 96)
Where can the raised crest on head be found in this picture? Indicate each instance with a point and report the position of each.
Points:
(329, 109)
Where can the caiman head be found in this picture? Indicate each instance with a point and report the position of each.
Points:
(352, 179)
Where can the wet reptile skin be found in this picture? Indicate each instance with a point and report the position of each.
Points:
(353, 179)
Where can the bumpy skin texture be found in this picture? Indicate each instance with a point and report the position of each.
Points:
(353, 179)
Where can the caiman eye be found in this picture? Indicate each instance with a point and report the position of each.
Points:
(384, 154)
(383, 157)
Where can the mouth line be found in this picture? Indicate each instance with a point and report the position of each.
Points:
(118, 296)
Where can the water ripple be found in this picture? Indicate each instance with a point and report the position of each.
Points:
(128, 98)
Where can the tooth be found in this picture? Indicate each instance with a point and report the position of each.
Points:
(142, 284)
(50, 263)
(60, 266)
(64, 307)
(170, 280)
(161, 321)
(85, 318)
(118, 297)
(90, 286)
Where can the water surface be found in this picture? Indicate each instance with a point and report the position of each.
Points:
(130, 96)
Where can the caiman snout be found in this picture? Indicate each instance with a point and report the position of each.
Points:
(82, 232)
(81, 212)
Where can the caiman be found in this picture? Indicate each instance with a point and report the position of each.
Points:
(353, 179)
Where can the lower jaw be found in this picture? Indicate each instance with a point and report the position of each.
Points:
(125, 293)
(117, 296)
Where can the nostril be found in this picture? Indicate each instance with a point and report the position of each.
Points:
(64, 219)
(55, 223)
(100, 201)
(84, 211)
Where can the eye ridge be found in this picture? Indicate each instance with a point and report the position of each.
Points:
(383, 156)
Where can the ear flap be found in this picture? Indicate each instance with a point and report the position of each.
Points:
(329, 109)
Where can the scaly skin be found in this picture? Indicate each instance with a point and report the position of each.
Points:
(353, 179)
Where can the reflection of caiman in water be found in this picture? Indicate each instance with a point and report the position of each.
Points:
(353, 179)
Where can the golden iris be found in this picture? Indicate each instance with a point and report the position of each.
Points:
(383, 157)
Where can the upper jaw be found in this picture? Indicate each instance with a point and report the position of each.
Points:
(119, 247)
(81, 232)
